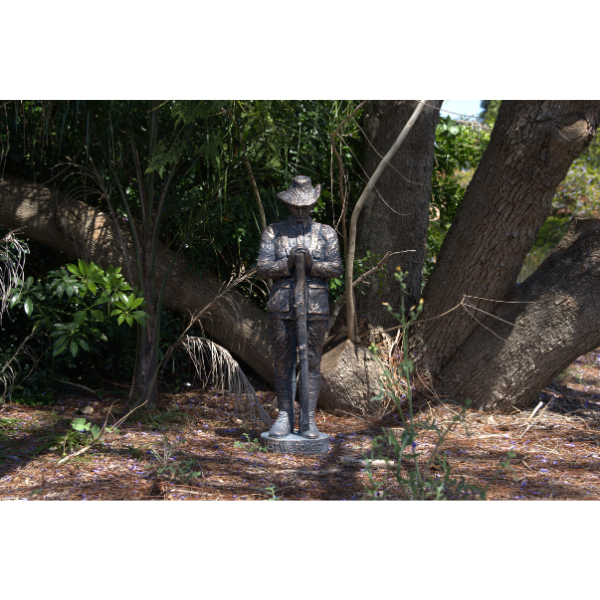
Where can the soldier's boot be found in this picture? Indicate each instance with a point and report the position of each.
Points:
(309, 430)
(282, 425)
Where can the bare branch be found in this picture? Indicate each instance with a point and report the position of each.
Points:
(77, 385)
(101, 434)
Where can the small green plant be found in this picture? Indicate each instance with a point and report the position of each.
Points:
(425, 480)
(82, 426)
(188, 470)
(73, 441)
(76, 437)
(85, 426)
(249, 445)
(167, 453)
(270, 492)
(184, 471)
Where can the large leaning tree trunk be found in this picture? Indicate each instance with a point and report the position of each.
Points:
(531, 149)
(79, 230)
(69, 225)
(396, 216)
(556, 318)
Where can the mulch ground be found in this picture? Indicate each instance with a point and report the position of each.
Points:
(197, 448)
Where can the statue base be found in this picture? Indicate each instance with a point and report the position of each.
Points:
(295, 444)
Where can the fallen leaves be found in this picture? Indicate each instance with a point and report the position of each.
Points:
(557, 458)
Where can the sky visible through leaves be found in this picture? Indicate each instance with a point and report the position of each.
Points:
(466, 108)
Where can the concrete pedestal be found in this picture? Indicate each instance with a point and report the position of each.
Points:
(295, 444)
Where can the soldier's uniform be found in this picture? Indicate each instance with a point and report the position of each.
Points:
(277, 242)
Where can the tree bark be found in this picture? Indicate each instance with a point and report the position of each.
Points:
(79, 230)
(350, 380)
(555, 319)
(396, 216)
(531, 149)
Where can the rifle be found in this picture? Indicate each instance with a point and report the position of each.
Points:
(300, 306)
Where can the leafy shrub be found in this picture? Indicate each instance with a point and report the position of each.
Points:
(71, 309)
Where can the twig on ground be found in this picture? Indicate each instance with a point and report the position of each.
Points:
(101, 434)
(535, 410)
(78, 385)
(531, 417)
(361, 462)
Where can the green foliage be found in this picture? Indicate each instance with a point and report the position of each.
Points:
(210, 199)
(88, 149)
(72, 441)
(12, 259)
(337, 286)
(425, 480)
(83, 425)
(186, 140)
(249, 445)
(280, 139)
(185, 471)
(271, 493)
(71, 304)
(34, 390)
(489, 110)
(457, 152)
(59, 440)
(110, 359)
(579, 193)
(81, 433)
(362, 265)
(73, 308)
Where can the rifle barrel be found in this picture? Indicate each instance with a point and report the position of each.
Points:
(300, 306)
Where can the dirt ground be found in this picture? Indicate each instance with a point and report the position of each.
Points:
(197, 448)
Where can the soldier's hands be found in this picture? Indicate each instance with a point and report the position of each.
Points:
(307, 259)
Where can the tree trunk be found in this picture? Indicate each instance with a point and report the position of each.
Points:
(556, 319)
(396, 216)
(531, 148)
(350, 380)
(144, 385)
(79, 230)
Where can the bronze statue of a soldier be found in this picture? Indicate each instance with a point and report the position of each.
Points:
(299, 255)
